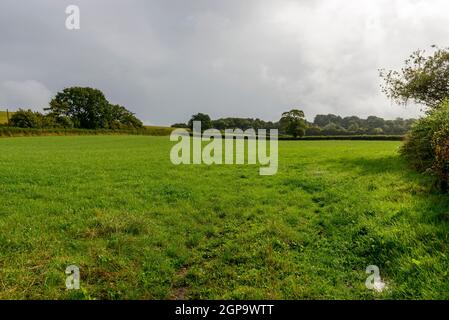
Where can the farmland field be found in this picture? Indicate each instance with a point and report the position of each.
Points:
(4, 116)
(140, 227)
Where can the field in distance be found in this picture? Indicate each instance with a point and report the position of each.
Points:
(140, 227)
(4, 117)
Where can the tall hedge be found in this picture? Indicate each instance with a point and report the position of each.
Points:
(427, 144)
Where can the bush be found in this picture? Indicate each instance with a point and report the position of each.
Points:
(26, 119)
(441, 165)
(426, 146)
(54, 121)
(180, 125)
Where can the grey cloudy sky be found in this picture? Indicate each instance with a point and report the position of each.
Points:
(168, 59)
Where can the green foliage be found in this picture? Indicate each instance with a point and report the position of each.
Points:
(53, 121)
(322, 120)
(88, 108)
(243, 123)
(440, 143)
(121, 118)
(313, 130)
(234, 123)
(140, 228)
(293, 123)
(26, 119)
(36, 120)
(205, 120)
(180, 125)
(77, 107)
(348, 137)
(58, 131)
(323, 125)
(333, 125)
(417, 148)
(424, 79)
(427, 139)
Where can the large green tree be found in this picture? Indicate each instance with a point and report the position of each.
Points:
(293, 123)
(424, 79)
(206, 122)
(88, 108)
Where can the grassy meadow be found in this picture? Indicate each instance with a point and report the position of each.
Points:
(141, 228)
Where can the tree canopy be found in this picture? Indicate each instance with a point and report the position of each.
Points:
(323, 124)
(332, 124)
(424, 79)
(205, 120)
(88, 108)
(293, 123)
(78, 107)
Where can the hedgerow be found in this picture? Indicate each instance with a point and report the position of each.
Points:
(427, 145)
(26, 132)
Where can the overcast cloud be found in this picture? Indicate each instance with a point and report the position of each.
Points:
(166, 60)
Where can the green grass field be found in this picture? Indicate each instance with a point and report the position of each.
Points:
(140, 227)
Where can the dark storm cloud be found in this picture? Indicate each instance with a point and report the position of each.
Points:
(166, 60)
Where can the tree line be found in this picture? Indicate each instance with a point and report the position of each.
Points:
(294, 123)
(335, 125)
(88, 108)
